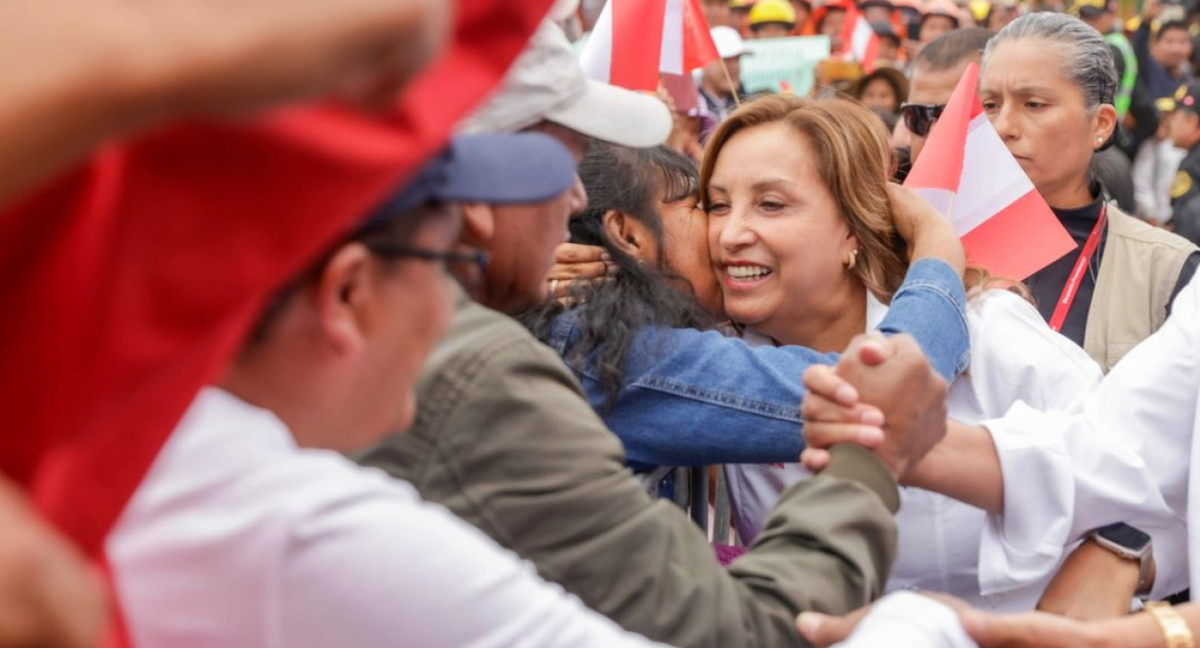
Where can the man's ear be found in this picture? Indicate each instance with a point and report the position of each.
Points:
(479, 224)
(344, 296)
(629, 235)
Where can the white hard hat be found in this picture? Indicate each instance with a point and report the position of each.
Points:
(729, 42)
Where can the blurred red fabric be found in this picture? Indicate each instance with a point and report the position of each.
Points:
(128, 282)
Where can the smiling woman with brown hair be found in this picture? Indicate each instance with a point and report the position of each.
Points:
(678, 396)
(804, 241)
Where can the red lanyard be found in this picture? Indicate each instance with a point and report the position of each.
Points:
(1081, 266)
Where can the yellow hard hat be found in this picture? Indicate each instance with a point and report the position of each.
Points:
(741, 4)
(772, 11)
(980, 9)
(1133, 23)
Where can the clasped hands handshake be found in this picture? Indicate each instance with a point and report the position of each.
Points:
(884, 395)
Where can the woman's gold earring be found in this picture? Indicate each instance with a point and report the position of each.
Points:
(852, 259)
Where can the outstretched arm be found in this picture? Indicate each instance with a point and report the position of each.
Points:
(932, 621)
(80, 72)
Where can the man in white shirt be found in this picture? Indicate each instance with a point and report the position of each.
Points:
(250, 530)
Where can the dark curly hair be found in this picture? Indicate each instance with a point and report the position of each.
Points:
(612, 313)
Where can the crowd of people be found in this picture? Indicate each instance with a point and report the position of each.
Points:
(1146, 167)
(378, 322)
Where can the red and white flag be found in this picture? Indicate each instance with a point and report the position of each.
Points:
(634, 40)
(968, 174)
(859, 40)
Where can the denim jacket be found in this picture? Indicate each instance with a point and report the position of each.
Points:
(693, 398)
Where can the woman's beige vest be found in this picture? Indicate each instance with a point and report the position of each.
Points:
(1138, 273)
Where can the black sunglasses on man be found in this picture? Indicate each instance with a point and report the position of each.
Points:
(919, 118)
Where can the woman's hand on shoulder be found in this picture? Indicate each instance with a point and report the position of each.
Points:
(574, 262)
(927, 232)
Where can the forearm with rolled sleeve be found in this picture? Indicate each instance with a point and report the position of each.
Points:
(1123, 456)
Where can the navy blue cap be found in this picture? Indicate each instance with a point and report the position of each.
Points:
(512, 168)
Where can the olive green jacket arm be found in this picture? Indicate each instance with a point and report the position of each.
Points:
(506, 440)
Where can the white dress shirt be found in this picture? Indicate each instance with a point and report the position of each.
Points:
(1014, 357)
(1124, 456)
(238, 538)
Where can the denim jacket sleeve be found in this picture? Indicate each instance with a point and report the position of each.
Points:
(931, 307)
(697, 397)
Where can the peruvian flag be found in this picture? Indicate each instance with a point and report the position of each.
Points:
(968, 174)
(634, 40)
(859, 41)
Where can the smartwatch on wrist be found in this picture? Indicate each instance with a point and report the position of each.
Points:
(1129, 543)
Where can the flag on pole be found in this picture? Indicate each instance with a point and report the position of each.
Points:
(968, 174)
(634, 40)
(859, 40)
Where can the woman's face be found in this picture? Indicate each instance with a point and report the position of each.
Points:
(775, 233)
(685, 241)
(1041, 116)
(879, 95)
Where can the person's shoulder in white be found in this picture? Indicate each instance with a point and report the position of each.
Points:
(1016, 356)
(239, 538)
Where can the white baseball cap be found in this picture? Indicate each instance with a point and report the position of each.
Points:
(547, 83)
(729, 42)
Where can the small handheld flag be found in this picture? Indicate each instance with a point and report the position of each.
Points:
(966, 171)
(859, 41)
(634, 40)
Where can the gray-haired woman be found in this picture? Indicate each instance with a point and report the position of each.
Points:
(1048, 83)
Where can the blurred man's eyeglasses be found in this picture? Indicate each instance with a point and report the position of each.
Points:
(445, 257)
(919, 118)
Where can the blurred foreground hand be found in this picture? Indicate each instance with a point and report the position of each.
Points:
(222, 55)
(49, 595)
(79, 72)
